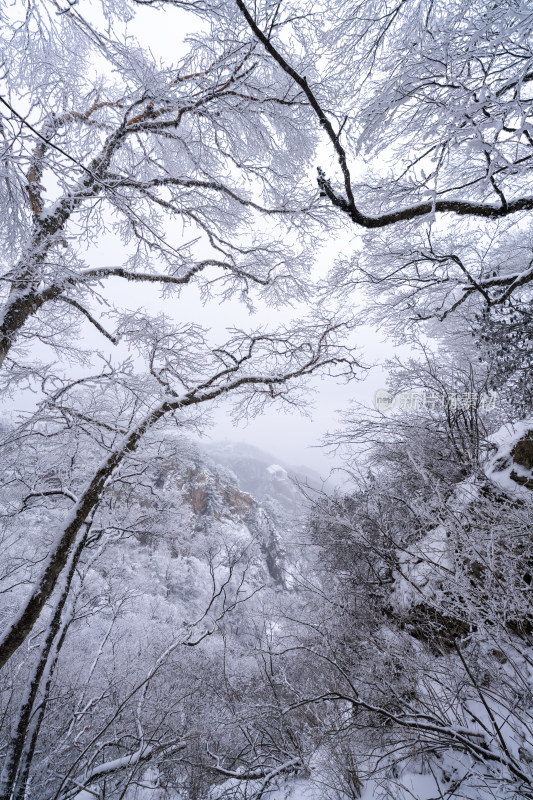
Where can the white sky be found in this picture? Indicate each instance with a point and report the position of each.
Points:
(291, 437)
(288, 435)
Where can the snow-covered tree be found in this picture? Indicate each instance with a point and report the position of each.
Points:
(424, 634)
(178, 167)
(426, 109)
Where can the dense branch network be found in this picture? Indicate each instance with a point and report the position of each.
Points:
(134, 129)
(494, 113)
(320, 352)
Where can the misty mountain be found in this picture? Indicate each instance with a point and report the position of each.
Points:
(263, 475)
(235, 492)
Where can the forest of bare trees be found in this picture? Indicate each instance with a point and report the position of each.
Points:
(179, 624)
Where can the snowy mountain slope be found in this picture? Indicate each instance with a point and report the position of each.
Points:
(263, 475)
(179, 573)
(236, 486)
(511, 466)
(208, 545)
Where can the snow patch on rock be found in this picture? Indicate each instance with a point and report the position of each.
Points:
(504, 468)
(277, 472)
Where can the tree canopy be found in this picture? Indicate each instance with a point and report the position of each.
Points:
(395, 138)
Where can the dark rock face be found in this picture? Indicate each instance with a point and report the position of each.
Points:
(522, 453)
(521, 480)
(208, 494)
(440, 631)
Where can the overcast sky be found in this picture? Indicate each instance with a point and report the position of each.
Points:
(290, 437)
